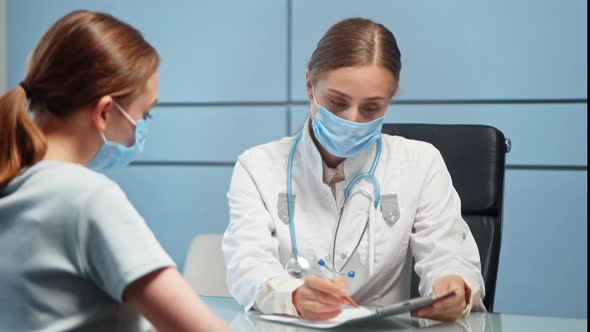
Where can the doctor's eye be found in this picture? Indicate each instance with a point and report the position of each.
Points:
(372, 108)
(337, 103)
(147, 115)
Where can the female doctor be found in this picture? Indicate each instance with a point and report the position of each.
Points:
(340, 209)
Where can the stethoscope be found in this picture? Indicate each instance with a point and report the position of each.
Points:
(297, 266)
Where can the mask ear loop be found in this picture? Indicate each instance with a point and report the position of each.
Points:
(315, 101)
(315, 98)
(133, 122)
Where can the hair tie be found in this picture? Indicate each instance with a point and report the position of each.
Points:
(25, 87)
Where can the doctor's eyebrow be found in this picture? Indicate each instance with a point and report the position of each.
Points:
(340, 93)
(349, 97)
(375, 98)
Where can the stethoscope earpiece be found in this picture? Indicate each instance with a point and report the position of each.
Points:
(322, 263)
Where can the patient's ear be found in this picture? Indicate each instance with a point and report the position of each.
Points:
(101, 112)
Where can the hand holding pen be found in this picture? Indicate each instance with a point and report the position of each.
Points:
(321, 296)
(324, 272)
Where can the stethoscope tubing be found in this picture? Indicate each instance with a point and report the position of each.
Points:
(370, 175)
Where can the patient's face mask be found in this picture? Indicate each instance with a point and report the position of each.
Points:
(112, 155)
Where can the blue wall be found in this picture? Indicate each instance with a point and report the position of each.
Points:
(232, 76)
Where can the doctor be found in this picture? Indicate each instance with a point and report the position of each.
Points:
(340, 209)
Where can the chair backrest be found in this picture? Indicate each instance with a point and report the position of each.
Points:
(204, 267)
(475, 156)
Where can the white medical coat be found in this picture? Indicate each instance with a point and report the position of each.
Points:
(421, 218)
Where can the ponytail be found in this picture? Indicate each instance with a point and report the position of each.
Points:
(22, 143)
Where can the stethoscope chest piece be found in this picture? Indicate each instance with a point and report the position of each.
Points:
(298, 267)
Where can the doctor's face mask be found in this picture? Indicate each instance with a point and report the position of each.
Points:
(341, 137)
(349, 114)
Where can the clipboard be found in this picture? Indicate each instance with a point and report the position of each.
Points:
(410, 305)
(351, 315)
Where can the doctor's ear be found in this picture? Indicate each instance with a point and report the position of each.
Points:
(308, 85)
(101, 112)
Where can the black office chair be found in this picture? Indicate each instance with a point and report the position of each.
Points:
(475, 156)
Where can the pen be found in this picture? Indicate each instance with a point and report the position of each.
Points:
(347, 298)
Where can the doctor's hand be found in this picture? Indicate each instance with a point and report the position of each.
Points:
(320, 299)
(450, 309)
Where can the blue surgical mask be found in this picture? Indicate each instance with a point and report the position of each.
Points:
(116, 155)
(343, 138)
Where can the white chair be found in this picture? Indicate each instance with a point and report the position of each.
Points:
(204, 268)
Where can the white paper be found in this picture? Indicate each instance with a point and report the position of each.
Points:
(347, 314)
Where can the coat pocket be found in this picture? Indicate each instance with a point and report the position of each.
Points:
(390, 208)
(283, 208)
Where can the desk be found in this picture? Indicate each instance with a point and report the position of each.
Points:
(229, 310)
